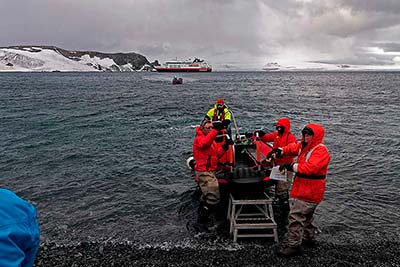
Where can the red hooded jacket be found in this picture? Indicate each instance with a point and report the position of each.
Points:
(311, 167)
(206, 151)
(281, 140)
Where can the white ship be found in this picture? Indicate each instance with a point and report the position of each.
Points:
(196, 65)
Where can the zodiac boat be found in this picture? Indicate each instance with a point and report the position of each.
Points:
(242, 166)
(244, 186)
(176, 80)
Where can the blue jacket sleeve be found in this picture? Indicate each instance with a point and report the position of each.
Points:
(19, 231)
(18, 244)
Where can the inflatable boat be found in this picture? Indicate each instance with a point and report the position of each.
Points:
(243, 167)
(176, 80)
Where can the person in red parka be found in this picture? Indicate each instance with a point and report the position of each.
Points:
(281, 137)
(206, 153)
(308, 186)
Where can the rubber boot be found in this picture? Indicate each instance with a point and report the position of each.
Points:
(211, 223)
(206, 220)
(283, 219)
(203, 214)
(310, 243)
(288, 251)
(222, 206)
(202, 219)
(284, 210)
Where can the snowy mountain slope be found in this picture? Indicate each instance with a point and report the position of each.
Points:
(50, 58)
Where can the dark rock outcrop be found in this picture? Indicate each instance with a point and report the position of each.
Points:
(122, 60)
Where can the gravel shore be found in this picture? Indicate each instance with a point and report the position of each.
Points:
(382, 253)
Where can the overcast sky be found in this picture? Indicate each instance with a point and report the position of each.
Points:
(224, 32)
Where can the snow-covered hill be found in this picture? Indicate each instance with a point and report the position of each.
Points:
(50, 58)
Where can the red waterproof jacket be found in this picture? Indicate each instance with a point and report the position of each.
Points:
(206, 151)
(311, 167)
(281, 140)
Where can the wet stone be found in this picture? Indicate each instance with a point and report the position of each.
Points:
(381, 253)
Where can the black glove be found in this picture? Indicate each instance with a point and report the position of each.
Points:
(287, 166)
(217, 125)
(275, 153)
(266, 161)
(226, 123)
(260, 133)
(248, 134)
(228, 142)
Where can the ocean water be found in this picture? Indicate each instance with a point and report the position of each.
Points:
(102, 155)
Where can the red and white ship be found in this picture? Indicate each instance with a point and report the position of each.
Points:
(195, 65)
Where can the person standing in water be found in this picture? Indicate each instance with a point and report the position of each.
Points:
(280, 138)
(308, 187)
(206, 153)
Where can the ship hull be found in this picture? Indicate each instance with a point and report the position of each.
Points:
(183, 69)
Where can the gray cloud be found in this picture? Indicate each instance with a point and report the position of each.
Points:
(239, 32)
(388, 47)
(373, 6)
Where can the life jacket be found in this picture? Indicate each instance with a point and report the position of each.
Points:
(215, 115)
(225, 163)
(218, 116)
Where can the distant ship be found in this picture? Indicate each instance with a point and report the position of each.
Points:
(196, 65)
(272, 66)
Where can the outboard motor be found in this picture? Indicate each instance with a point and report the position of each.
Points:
(190, 163)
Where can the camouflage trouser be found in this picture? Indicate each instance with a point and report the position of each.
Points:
(301, 222)
(282, 187)
(208, 183)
